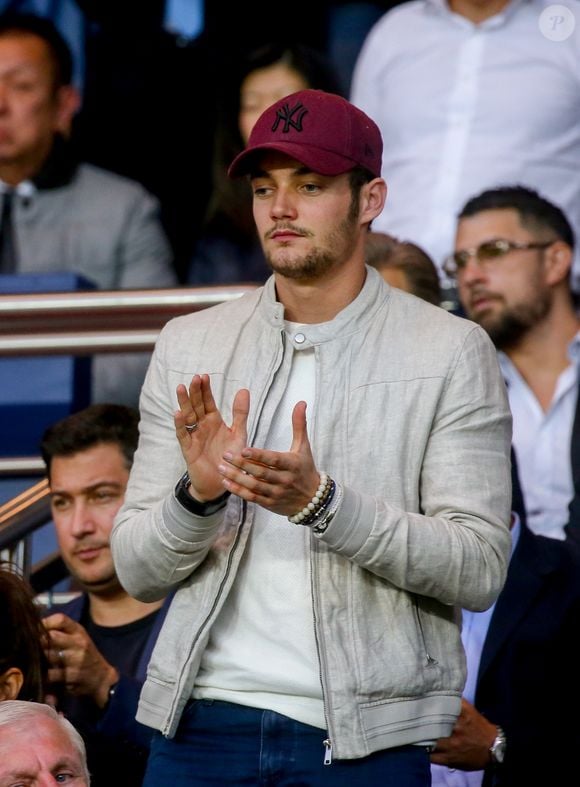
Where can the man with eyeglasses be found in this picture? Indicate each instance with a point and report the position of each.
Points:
(512, 263)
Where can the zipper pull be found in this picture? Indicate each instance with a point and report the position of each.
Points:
(327, 752)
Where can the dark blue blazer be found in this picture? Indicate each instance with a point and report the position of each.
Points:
(528, 676)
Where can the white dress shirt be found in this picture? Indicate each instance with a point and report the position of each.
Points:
(473, 633)
(542, 444)
(465, 107)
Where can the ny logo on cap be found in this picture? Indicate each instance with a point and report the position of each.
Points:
(292, 118)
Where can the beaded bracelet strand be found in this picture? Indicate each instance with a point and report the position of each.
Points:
(317, 513)
(314, 505)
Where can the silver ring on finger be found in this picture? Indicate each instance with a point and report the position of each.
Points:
(61, 656)
(191, 427)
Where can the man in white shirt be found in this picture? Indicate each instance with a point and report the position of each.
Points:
(512, 261)
(469, 95)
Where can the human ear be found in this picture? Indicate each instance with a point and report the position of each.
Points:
(68, 101)
(557, 262)
(373, 196)
(10, 684)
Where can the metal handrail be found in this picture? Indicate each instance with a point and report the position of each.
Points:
(19, 518)
(22, 466)
(82, 323)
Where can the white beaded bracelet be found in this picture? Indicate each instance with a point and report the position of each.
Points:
(314, 504)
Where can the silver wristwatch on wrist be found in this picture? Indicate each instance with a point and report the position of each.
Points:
(497, 750)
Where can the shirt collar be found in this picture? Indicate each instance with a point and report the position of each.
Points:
(515, 532)
(442, 7)
(26, 189)
(58, 170)
(508, 369)
(574, 350)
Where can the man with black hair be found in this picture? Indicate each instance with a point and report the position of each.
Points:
(59, 214)
(100, 642)
(67, 215)
(512, 262)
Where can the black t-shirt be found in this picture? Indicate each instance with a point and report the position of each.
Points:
(112, 763)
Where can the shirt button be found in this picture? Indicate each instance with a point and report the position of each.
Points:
(300, 338)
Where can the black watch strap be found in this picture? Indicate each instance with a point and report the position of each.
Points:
(195, 506)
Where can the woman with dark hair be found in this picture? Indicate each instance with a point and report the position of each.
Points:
(23, 666)
(228, 250)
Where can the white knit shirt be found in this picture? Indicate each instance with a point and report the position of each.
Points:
(262, 648)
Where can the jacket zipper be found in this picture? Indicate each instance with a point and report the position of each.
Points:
(177, 695)
(430, 659)
(327, 742)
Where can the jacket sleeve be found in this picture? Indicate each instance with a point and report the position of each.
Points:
(145, 254)
(456, 549)
(156, 543)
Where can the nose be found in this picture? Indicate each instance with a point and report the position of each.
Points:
(473, 271)
(283, 205)
(81, 521)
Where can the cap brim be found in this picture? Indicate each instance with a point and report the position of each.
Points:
(325, 162)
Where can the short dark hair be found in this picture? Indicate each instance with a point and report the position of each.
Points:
(535, 212)
(385, 251)
(357, 177)
(30, 24)
(96, 424)
(23, 635)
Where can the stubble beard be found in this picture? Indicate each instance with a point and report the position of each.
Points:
(507, 328)
(338, 247)
(104, 584)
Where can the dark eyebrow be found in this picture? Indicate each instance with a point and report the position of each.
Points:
(88, 489)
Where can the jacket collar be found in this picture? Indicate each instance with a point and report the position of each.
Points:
(374, 293)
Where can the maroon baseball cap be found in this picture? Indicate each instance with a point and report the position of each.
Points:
(323, 131)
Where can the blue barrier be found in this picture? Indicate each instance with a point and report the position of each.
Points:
(37, 391)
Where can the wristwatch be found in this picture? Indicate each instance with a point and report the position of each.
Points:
(195, 506)
(498, 747)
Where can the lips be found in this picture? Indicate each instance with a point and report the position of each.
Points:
(89, 552)
(481, 301)
(283, 235)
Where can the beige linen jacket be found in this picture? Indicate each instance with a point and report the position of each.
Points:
(411, 417)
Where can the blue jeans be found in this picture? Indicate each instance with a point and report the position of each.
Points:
(218, 743)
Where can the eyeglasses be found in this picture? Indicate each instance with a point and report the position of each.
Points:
(487, 253)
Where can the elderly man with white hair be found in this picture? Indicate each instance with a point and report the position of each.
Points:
(39, 747)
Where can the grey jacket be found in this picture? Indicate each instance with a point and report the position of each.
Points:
(106, 228)
(411, 417)
(99, 225)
